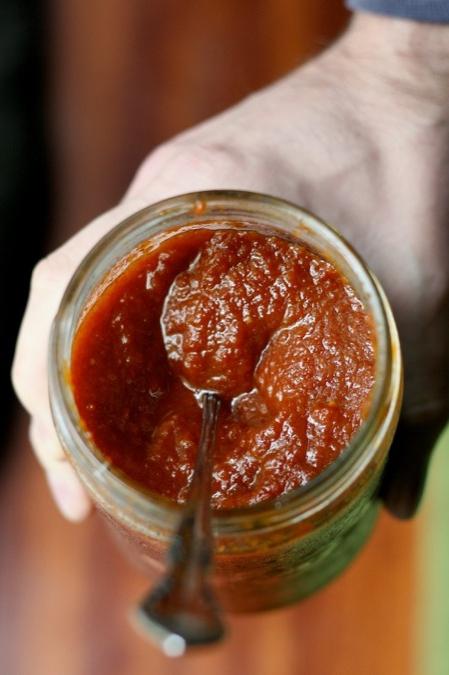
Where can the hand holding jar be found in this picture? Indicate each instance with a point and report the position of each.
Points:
(360, 136)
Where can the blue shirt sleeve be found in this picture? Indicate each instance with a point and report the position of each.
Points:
(434, 11)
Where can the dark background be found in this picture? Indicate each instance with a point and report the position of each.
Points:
(87, 89)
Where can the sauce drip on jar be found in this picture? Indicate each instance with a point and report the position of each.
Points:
(272, 327)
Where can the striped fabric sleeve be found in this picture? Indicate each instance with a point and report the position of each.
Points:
(434, 11)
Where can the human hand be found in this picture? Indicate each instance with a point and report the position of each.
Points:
(360, 136)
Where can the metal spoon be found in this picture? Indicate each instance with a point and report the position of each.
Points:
(181, 610)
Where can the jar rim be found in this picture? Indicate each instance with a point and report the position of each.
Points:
(296, 505)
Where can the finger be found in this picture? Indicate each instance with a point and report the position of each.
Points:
(65, 486)
(49, 280)
(404, 478)
(29, 373)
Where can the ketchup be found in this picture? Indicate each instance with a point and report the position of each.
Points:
(272, 327)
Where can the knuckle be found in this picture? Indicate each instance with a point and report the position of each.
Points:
(153, 164)
(188, 164)
(204, 158)
(45, 443)
(22, 381)
(36, 444)
(18, 378)
(48, 271)
(39, 272)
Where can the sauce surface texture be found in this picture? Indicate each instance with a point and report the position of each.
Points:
(275, 329)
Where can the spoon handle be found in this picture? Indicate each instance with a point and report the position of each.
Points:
(181, 609)
(193, 544)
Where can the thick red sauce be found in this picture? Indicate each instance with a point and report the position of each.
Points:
(272, 327)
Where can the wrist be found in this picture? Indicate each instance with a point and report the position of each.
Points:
(406, 60)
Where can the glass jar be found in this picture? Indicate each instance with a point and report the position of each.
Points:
(272, 553)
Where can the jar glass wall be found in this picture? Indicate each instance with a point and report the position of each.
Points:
(274, 552)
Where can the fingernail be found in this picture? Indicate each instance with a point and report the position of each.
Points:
(68, 493)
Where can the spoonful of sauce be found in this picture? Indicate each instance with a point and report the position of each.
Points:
(181, 610)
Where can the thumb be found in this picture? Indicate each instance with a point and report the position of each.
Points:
(405, 474)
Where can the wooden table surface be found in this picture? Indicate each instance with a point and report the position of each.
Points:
(126, 74)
